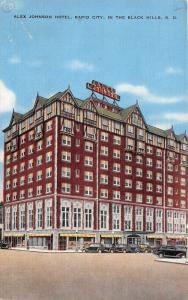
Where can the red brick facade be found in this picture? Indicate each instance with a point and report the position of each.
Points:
(92, 171)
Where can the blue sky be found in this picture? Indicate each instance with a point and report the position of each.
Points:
(145, 59)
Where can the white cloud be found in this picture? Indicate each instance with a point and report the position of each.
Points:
(7, 98)
(178, 117)
(163, 126)
(1, 156)
(145, 95)
(173, 71)
(77, 65)
(14, 60)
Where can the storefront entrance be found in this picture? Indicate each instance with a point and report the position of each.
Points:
(134, 239)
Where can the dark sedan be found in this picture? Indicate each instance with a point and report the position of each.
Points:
(120, 248)
(171, 251)
(94, 248)
(133, 248)
(4, 245)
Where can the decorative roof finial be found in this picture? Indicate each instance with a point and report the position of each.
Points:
(69, 87)
(136, 101)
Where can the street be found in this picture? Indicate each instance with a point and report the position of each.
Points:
(75, 276)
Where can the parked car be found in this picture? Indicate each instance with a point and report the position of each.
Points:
(132, 248)
(93, 248)
(120, 248)
(107, 248)
(4, 245)
(171, 251)
(145, 248)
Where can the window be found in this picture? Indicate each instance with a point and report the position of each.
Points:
(65, 172)
(88, 191)
(116, 140)
(116, 217)
(158, 152)
(128, 156)
(88, 176)
(39, 160)
(104, 136)
(39, 175)
(149, 187)
(88, 161)
(30, 164)
(139, 172)
(77, 217)
(39, 145)
(128, 218)
(116, 153)
(159, 164)
(48, 125)
(48, 188)
(149, 150)
(22, 153)
(30, 192)
(104, 165)
(116, 167)
(103, 217)
(39, 190)
(66, 188)
(22, 217)
(49, 141)
(104, 179)
(88, 217)
(116, 181)
(149, 162)
(104, 193)
(14, 218)
(139, 198)
(128, 196)
(65, 216)
(48, 215)
(48, 156)
(159, 200)
(104, 150)
(149, 199)
(159, 177)
(66, 140)
(116, 195)
(48, 172)
(128, 183)
(139, 159)
(89, 146)
(128, 170)
(39, 217)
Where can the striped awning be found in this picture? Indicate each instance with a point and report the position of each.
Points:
(13, 234)
(40, 234)
(154, 237)
(81, 235)
(111, 235)
(176, 237)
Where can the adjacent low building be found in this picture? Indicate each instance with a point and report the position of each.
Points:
(78, 171)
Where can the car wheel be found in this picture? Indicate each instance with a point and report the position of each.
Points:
(99, 251)
(146, 251)
(161, 255)
(124, 251)
(111, 251)
(183, 256)
(83, 250)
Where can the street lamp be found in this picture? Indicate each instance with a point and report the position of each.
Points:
(77, 239)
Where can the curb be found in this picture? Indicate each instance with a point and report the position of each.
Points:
(172, 261)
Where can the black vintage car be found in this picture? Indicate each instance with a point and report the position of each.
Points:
(94, 248)
(120, 248)
(4, 245)
(171, 251)
(132, 248)
(99, 248)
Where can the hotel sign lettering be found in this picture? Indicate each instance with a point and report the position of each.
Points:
(103, 89)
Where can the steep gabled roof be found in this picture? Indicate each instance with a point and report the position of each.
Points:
(17, 117)
(156, 131)
(109, 114)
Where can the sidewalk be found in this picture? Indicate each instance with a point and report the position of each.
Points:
(183, 261)
(44, 250)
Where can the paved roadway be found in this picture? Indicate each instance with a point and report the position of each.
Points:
(82, 276)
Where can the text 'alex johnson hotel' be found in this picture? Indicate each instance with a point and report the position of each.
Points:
(81, 171)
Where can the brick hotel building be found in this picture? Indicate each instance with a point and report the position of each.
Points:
(81, 171)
